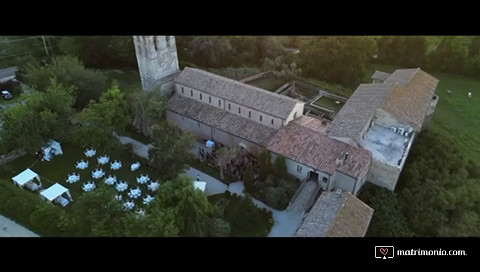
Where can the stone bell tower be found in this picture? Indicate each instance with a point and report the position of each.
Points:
(157, 60)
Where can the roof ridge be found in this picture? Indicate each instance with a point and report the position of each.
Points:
(246, 85)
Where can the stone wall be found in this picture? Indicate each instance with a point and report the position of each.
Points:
(383, 174)
(256, 76)
(8, 157)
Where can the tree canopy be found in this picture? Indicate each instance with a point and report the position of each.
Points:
(171, 149)
(338, 59)
(96, 123)
(87, 84)
(41, 116)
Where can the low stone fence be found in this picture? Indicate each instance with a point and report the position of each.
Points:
(10, 156)
(256, 76)
(281, 89)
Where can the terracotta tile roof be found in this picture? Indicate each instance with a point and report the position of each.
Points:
(221, 119)
(410, 103)
(313, 124)
(379, 75)
(336, 215)
(359, 109)
(406, 94)
(318, 151)
(256, 98)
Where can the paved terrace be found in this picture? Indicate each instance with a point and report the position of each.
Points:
(385, 144)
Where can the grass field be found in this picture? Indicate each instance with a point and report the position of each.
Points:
(456, 117)
(268, 83)
(59, 167)
(329, 103)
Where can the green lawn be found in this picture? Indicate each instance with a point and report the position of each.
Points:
(205, 168)
(268, 83)
(129, 80)
(456, 117)
(329, 103)
(58, 169)
(233, 212)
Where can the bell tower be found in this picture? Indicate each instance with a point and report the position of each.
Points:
(157, 60)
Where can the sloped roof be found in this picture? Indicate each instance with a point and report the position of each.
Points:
(336, 215)
(359, 109)
(318, 151)
(313, 123)
(54, 191)
(379, 75)
(221, 119)
(237, 92)
(410, 103)
(24, 177)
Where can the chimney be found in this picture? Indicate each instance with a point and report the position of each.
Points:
(341, 159)
(346, 156)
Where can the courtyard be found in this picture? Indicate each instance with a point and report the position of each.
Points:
(59, 168)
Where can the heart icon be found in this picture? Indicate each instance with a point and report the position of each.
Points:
(384, 251)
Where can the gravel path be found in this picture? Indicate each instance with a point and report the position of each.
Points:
(9, 228)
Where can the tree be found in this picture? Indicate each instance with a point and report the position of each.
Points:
(97, 122)
(280, 167)
(88, 84)
(406, 51)
(218, 228)
(265, 164)
(211, 51)
(171, 149)
(98, 213)
(42, 116)
(281, 69)
(341, 60)
(147, 108)
(190, 207)
(248, 177)
(449, 56)
(46, 218)
(224, 156)
(101, 51)
(20, 50)
(388, 219)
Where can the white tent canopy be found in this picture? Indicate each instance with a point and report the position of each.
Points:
(55, 191)
(25, 177)
(53, 148)
(200, 185)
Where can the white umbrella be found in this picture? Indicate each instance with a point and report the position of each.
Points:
(147, 199)
(90, 152)
(134, 166)
(153, 186)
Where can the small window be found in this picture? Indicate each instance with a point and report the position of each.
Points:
(219, 103)
(261, 117)
(239, 110)
(324, 179)
(210, 99)
(249, 114)
(229, 108)
(272, 121)
(191, 93)
(201, 97)
(198, 124)
(295, 115)
(299, 168)
(182, 91)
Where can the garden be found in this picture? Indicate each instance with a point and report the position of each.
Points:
(268, 83)
(60, 167)
(329, 103)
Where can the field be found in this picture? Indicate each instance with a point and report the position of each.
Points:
(456, 117)
(267, 83)
(329, 103)
(59, 167)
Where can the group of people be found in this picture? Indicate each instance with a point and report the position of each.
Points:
(237, 166)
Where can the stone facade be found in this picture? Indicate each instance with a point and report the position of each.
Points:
(157, 59)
